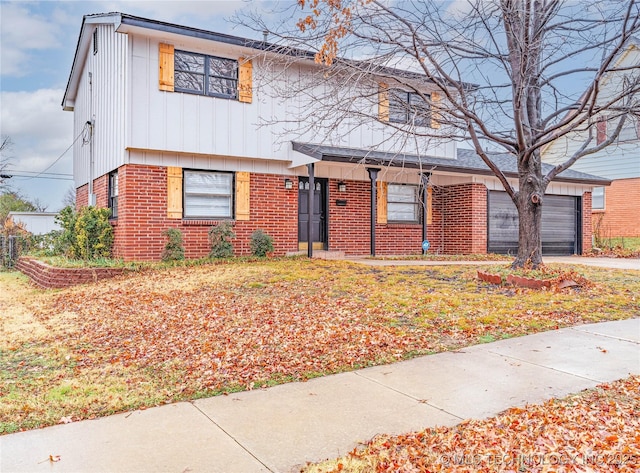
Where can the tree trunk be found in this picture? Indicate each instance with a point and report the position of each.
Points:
(529, 204)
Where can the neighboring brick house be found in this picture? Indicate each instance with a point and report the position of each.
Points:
(615, 208)
(170, 119)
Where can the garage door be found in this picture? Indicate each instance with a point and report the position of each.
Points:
(560, 216)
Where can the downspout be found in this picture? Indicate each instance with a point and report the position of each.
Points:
(312, 188)
(424, 178)
(373, 175)
(91, 197)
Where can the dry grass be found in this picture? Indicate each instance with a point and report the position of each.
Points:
(165, 335)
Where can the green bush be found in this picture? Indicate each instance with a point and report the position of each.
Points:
(219, 237)
(173, 250)
(85, 235)
(261, 243)
(65, 241)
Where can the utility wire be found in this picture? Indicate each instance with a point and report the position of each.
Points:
(26, 178)
(60, 157)
(36, 172)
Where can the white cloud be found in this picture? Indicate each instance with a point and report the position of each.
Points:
(23, 31)
(40, 132)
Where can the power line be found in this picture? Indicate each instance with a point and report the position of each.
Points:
(26, 178)
(36, 172)
(59, 157)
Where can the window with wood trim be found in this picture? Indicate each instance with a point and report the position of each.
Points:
(402, 203)
(410, 108)
(205, 75)
(113, 193)
(208, 194)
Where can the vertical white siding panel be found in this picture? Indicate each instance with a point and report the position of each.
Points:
(190, 119)
(109, 99)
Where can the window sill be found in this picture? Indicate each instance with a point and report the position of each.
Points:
(206, 222)
(399, 224)
(598, 211)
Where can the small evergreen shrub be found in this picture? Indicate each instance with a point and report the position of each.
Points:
(94, 233)
(85, 235)
(219, 237)
(173, 249)
(261, 243)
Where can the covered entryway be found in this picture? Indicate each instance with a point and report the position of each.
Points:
(561, 233)
(319, 218)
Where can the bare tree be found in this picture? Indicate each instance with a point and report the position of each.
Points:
(512, 76)
(5, 144)
(69, 198)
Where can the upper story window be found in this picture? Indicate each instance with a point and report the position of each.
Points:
(113, 193)
(208, 194)
(402, 203)
(407, 107)
(597, 198)
(205, 75)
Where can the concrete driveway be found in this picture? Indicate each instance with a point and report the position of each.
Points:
(614, 263)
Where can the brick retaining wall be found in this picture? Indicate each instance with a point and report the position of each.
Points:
(50, 277)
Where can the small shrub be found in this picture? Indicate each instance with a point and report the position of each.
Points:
(94, 233)
(261, 243)
(173, 250)
(86, 234)
(65, 241)
(219, 237)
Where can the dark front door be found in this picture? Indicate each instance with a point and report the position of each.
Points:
(319, 217)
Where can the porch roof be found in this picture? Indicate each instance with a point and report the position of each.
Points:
(466, 162)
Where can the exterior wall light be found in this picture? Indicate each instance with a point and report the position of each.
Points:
(288, 184)
(342, 187)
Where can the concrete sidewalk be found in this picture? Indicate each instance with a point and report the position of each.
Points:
(281, 428)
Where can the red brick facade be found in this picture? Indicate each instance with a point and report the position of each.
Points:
(586, 223)
(142, 209)
(458, 225)
(621, 214)
(463, 209)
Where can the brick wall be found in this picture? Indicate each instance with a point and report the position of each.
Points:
(49, 277)
(349, 225)
(463, 209)
(621, 216)
(586, 223)
(142, 208)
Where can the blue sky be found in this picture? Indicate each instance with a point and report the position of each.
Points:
(37, 44)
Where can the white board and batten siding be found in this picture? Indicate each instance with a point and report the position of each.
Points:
(183, 123)
(102, 96)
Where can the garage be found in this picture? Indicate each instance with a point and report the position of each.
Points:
(560, 217)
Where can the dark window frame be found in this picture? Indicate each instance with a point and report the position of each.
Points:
(409, 108)
(186, 194)
(114, 190)
(207, 75)
(416, 204)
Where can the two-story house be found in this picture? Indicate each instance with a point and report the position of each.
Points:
(174, 136)
(616, 208)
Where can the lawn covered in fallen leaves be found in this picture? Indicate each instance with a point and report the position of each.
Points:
(594, 431)
(163, 335)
